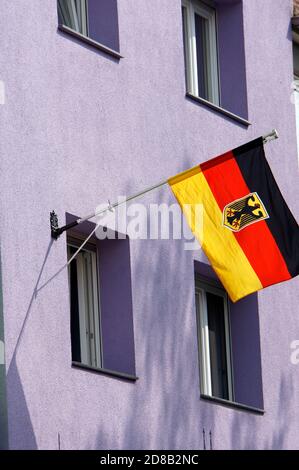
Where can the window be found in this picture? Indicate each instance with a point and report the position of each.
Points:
(214, 341)
(230, 360)
(214, 52)
(84, 303)
(101, 307)
(96, 20)
(201, 55)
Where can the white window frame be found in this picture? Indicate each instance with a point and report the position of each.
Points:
(203, 336)
(84, 17)
(89, 311)
(197, 7)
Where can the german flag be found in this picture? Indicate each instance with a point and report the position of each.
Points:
(249, 234)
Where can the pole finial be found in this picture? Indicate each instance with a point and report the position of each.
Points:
(271, 136)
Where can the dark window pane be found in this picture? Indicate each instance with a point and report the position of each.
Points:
(296, 58)
(201, 50)
(217, 346)
(75, 326)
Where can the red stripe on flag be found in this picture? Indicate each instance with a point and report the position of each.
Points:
(257, 242)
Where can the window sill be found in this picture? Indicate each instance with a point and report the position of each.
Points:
(111, 373)
(89, 41)
(218, 109)
(232, 404)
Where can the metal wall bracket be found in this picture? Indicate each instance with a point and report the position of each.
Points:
(54, 225)
(56, 231)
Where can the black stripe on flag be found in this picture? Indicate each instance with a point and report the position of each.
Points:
(259, 178)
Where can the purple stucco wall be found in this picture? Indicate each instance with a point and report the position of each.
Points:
(78, 127)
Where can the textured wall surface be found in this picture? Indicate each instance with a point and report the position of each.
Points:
(79, 127)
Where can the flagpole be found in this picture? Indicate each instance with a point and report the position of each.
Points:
(56, 231)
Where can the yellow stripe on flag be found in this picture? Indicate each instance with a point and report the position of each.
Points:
(219, 244)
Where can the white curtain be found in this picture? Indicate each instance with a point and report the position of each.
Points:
(73, 13)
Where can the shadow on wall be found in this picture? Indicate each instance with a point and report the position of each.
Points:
(3, 401)
(283, 414)
(243, 435)
(163, 409)
(23, 432)
(19, 414)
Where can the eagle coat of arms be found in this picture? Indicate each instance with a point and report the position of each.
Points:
(243, 212)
